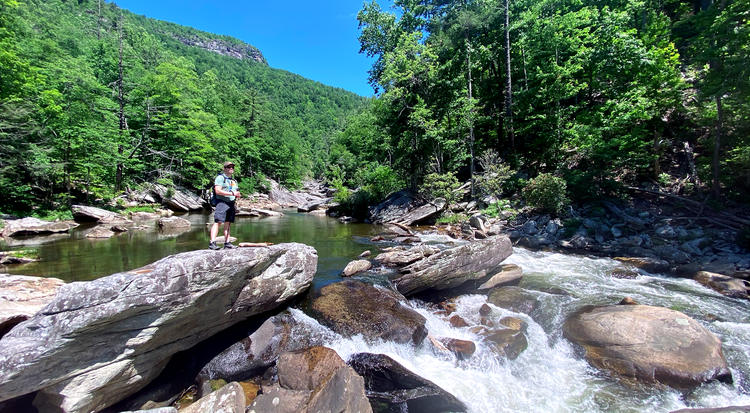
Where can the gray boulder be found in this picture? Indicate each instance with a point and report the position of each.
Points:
(180, 199)
(396, 205)
(514, 299)
(102, 216)
(403, 256)
(652, 344)
(100, 231)
(352, 307)
(98, 342)
(173, 222)
(356, 266)
(22, 296)
(509, 274)
(34, 226)
(452, 267)
(228, 399)
(729, 286)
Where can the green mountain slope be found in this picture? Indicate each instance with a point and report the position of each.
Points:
(93, 96)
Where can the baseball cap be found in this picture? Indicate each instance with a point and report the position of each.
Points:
(227, 164)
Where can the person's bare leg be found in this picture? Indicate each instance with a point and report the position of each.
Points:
(214, 231)
(226, 231)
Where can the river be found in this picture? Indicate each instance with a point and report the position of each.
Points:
(549, 376)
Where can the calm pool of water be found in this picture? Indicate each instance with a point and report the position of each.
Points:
(73, 257)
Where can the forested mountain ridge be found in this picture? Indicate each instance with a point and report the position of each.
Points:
(94, 98)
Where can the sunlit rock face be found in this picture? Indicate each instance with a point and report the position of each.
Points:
(653, 344)
(98, 342)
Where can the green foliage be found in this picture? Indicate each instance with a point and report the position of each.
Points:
(256, 183)
(546, 193)
(452, 218)
(496, 173)
(141, 208)
(570, 226)
(63, 214)
(494, 209)
(443, 186)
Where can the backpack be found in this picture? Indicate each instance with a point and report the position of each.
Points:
(214, 199)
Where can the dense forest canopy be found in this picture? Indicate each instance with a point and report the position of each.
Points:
(94, 99)
(594, 96)
(602, 94)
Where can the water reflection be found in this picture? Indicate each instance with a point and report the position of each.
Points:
(73, 257)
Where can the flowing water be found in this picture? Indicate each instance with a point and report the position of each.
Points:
(549, 376)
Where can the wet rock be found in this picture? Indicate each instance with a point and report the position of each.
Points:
(507, 342)
(458, 321)
(652, 265)
(365, 254)
(356, 266)
(399, 230)
(652, 344)
(628, 301)
(514, 299)
(395, 388)
(228, 399)
(463, 349)
(100, 341)
(514, 323)
(730, 409)
(173, 222)
(485, 310)
(551, 228)
(34, 226)
(313, 205)
(253, 354)
(578, 242)
(509, 274)
(634, 241)
(671, 254)
(23, 296)
(529, 228)
(342, 391)
(407, 240)
(687, 270)
(118, 228)
(624, 273)
(452, 267)
(729, 286)
(307, 369)
(405, 256)
(100, 232)
(352, 307)
(616, 232)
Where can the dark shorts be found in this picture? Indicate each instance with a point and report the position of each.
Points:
(224, 211)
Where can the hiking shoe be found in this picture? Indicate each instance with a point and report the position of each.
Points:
(229, 245)
(212, 245)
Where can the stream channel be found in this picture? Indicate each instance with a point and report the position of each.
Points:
(549, 376)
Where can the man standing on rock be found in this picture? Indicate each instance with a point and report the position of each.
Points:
(227, 191)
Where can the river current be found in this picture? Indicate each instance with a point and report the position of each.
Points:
(549, 376)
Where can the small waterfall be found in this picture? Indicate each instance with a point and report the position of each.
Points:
(549, 376)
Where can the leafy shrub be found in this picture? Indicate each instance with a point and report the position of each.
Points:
(451, 218)
(546, 193)
(378, 181)
(441, 186)
(62, 214)
(587, 186)
(570, 226)
(256, 183)
(141, 208)
(496, 207)
(496, 173)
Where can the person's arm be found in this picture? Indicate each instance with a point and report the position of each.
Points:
(220, 191)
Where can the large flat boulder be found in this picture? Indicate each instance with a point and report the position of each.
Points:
(352, 307)
(100, 341)
(22, 296)
(34, 226)
(102, 216)
(653, 344)
(396, 205)
(452, 267)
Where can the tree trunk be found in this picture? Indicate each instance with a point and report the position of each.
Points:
(508, 90)
(471, 117)
(717, 145)
(123, 122)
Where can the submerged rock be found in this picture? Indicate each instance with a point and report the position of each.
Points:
(513, 298)
(98, 342)
(652, 344)
(352, 307)
(394, 388)
(731, 287)
(452, 267)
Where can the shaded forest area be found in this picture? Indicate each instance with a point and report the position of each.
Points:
(95, 99)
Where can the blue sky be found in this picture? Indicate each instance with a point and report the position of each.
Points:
(314, 39)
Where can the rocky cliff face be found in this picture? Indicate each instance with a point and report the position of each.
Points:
(238, 51)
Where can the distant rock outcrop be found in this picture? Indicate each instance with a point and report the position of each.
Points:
(239, 50)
